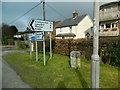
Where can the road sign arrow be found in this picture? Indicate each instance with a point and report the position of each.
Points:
(31, 24)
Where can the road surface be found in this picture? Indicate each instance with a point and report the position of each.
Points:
(10, 79)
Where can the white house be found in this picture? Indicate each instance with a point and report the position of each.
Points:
(75, 27)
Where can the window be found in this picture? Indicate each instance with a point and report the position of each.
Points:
(113, 25)
(108, 25)
(70, 29)
(60, 29)
(48, 32)
(102, 27)
(105, 9)
(58, 37)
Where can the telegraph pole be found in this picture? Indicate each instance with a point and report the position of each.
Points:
(44, 18)
(95, 72)
(44, 14)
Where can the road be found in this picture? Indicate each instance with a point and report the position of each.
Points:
(10, 79)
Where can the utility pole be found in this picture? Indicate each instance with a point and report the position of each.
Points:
(95, 57)
(44, 14)
(44, 18)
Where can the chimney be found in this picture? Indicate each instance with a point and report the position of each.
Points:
(75, 14)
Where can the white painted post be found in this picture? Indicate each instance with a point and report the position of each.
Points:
(44, 33)
(30, 49)
(44, 49)
(36, 47)
(50, 46)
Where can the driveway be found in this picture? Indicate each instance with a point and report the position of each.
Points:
(10, 79)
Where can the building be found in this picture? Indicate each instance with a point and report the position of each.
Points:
(75, 27)
(55, 24)
(110, 19)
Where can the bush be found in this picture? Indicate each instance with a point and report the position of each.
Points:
(5, 39)
(20, 44)
(110, 51)
(10, 41)
(109, 48)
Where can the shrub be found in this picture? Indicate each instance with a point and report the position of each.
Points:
(20, 44)
(11, 41)
(109, 48)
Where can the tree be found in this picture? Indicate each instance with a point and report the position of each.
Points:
(8, 32)
(14, 30)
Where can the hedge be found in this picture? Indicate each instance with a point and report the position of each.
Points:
(21, 44)
(109, 48)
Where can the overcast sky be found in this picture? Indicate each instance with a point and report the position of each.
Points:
(55, 11)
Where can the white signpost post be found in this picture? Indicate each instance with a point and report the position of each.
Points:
(31, 38)
(42, 26)
(38, 36)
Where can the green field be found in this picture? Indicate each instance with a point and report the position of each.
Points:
(58, 73)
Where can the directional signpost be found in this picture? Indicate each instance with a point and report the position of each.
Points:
(40, 27)
(38, 36)
(31, 24)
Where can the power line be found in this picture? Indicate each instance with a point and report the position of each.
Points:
(25, 13)
(56, 11)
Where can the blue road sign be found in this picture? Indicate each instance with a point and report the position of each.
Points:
(38, 36)
(33, 38)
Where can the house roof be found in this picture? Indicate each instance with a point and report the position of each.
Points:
(19, 33)
(71, 21)
(25, 32)
(66, 35)
(29, 31)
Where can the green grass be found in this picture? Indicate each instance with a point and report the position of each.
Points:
(58, 74)
(21, 49)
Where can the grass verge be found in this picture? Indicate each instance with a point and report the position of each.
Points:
(58, 74)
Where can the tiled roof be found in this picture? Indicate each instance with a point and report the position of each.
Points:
(71, 21)
(25, 32)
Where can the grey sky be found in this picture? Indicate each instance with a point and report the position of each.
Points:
(13, 10)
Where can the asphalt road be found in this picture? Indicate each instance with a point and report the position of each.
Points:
(9, 79)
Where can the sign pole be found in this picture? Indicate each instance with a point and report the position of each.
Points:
(36, 47)
(95, 72)
(44, 33)
(44, 49)
(30, 50)
(50, 45)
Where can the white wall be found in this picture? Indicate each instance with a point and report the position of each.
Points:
(78, 30)
(63, 30)
(18, 36)
(84, 25)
